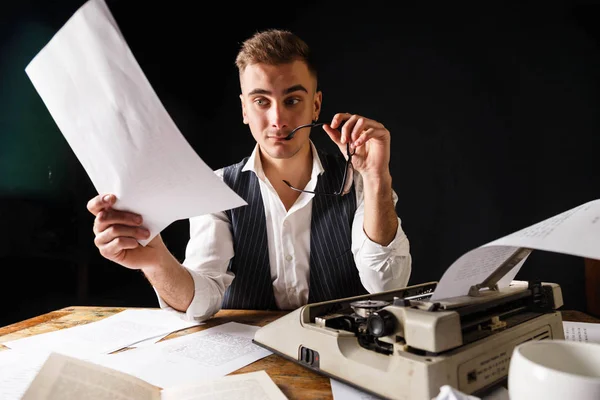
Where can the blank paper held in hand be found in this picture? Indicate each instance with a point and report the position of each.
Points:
(117, 127)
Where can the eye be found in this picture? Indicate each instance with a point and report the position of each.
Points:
(261, 101)
(292, 101)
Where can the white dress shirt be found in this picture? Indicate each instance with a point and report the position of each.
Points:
(210, 249)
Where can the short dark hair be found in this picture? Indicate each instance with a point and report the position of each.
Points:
(273, 47)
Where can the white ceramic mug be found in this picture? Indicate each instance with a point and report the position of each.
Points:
(554, 369)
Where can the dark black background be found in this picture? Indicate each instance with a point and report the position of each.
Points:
(493, 113)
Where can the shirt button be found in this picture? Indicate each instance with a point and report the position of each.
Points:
(288, 257)
(285, 223)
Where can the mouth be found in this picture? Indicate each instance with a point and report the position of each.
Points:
(278, 138)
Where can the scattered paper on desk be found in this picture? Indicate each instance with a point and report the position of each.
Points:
(574, 232)
(109, 334)
(210, 353)
(256, 385)
(118, 128)
(582, 331)
(17, 370)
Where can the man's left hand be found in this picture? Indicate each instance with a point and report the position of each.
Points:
(368, 138)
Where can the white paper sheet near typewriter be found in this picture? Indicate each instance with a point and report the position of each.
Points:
(406, 344)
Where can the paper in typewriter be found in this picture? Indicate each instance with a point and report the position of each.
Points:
(117, 127)
(573, 232)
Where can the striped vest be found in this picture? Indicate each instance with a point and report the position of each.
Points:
(333, 273)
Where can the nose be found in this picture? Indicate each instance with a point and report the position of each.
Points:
(278, 117)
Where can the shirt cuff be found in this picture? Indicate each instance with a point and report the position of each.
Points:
(376, 256)
(205, 303)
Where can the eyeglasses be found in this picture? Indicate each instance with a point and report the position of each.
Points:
(348, 178)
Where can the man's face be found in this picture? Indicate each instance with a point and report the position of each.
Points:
(275, 100)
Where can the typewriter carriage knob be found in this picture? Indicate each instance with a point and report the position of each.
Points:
(381, 323)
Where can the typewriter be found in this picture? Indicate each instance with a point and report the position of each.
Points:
(400, 345)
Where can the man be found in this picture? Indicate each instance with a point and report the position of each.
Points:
(288, 246)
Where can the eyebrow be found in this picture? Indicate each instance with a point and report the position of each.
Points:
(289, 90)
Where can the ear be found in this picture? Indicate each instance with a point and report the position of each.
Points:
(318, 99)
(244, 117)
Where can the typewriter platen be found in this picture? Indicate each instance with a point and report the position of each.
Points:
(400, 345)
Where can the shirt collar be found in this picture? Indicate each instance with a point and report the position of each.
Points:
(254, 163)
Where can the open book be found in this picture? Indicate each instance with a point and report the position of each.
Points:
(66, 378)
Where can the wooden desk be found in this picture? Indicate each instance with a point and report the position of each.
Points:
(295, 381)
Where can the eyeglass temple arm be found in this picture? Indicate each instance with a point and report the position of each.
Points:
(308, 191)
(312, 125)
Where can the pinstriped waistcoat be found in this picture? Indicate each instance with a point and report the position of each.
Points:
(333, 273)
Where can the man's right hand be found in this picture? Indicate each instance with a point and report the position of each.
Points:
(117, 234)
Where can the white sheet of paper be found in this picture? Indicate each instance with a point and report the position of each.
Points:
(472, 268)
(341, 391)
(447, 392)
(118, 128)
(256, 385)
(70, 378)
(582, 331)
(109, 334)
(574, 232)
(210, 353)
(17, 370)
